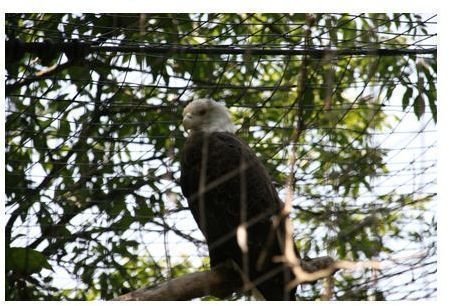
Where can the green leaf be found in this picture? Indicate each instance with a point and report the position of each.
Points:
(64, 128)
(406, 98)
(419, 106)
(25, 261)
(433, 109)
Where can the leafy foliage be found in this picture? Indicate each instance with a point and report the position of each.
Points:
(93, 141)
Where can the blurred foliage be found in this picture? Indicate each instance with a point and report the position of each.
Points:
(92, 142)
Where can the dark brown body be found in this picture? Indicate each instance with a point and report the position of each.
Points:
(238, 190)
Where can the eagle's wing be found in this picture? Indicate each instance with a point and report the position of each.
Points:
(238, 186)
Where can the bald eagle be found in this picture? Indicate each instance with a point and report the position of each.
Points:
(232, 199)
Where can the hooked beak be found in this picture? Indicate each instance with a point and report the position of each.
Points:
(187, 121)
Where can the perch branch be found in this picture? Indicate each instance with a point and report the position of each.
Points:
(223, 281)
(219, 282)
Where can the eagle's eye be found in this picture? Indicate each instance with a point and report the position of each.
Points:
(202, 112)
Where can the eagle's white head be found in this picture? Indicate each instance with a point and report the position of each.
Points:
(208, 116)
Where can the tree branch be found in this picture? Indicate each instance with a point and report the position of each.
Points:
(40, 75)
(219, 282)
(224, 280)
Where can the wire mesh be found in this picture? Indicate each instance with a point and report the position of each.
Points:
(92, 152)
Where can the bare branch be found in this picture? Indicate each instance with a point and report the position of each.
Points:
(224, 280)
(307, 271)
(219, 282)
(40, 75)
(328, 291)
